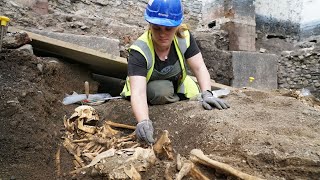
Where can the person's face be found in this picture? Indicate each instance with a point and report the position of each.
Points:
(162, 36)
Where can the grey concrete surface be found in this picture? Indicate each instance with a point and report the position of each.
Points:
(102, 44)
(262, 67)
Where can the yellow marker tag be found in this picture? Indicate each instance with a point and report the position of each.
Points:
(4, 20)
(251, 79)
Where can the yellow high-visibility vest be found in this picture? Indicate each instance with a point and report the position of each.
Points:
(145, 47)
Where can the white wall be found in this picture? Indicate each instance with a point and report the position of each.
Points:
(310, 12)
(284, 10)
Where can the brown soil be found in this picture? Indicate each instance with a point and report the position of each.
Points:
(31, 112)
(265, 134)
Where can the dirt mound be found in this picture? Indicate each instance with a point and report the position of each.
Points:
(264, 134)
(31, 92)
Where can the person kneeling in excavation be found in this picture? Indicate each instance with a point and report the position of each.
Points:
(157, 61)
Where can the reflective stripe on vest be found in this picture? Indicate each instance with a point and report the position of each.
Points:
(183, 43)
(145, 50)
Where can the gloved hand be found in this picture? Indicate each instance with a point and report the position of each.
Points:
(144, 131)
(209, 101)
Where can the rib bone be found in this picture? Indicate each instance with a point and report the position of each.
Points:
(113, 124)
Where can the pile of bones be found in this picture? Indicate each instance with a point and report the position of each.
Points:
(103, 151)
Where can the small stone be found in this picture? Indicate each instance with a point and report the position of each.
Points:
(40, 67)
(308, 54)
(84, 27)
(14, 124)
(285, 53)
(54, 61)
(27, 48)
(14, 4)
(305, 82)
(38, 147)
(308, 76)
(262, 50)
(13, 102)
(24, 94)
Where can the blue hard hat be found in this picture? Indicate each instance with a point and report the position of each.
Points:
(164, 12)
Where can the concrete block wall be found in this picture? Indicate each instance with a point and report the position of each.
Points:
(262, 67)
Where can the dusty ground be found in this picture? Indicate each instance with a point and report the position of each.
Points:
(263, 133)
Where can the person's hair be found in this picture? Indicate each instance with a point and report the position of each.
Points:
(179, 32)
(181, 29)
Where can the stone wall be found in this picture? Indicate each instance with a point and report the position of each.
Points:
(192, 12)
(127, 12)
(124, 19)
(38, 6)
(214, 49)
(300, 69)
(124, 11)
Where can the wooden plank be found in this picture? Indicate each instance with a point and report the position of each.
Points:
(111, 65)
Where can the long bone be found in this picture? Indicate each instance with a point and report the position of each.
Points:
(197, 156)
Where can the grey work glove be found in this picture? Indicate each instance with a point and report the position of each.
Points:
(144, 131)
(209, 101)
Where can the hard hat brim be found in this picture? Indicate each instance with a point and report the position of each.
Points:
(162, 21)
